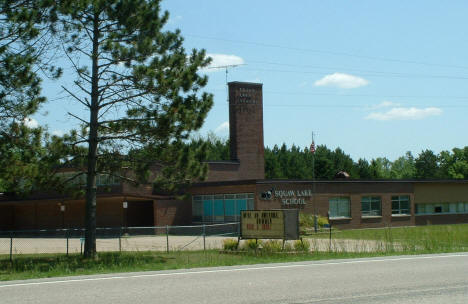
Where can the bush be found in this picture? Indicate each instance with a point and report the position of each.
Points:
(230, 244)
(252, 244)
(272, 246)
(288, 247)
(306, 221)
(301, 245)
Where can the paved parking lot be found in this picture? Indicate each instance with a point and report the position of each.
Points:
(159, 243)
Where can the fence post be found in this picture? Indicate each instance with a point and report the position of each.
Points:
(120, 240)
(167, 238)
(11, 247)
(204, 239)
(67, 234)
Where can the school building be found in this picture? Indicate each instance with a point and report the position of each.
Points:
(240, 184)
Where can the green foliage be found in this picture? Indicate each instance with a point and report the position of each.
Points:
(288, 247)
(230, 244)
(143, 92)
(306, 221)
(426, 165)
(24, 42)
(302, 245)
(420, 239)
(293, 163)
(252, 244)
(403, 167)
(272, 246)
(216, 148)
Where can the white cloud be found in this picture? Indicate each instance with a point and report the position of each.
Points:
(386, 104)
(224, 127)
(383, 104)
(223, 60)
(30, 123)
(342, 81)
(57, 133)
(405, 114)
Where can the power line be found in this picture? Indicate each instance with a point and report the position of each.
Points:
(334, 53)
(395, 74)
(360, 95)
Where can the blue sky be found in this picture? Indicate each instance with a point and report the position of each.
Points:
(375, 78)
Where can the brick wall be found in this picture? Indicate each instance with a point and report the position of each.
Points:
(352, 190)
(246, 129)
(441, 219)
(172, 212)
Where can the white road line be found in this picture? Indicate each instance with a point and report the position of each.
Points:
(312, 264)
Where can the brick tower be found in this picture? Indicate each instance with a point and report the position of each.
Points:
(246, 128)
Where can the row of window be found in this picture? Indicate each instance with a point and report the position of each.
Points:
(441, 208)
(227, 207)
(221, 207)
(340, 207)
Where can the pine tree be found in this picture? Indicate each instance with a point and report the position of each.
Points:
(141, 90)
(26, 29)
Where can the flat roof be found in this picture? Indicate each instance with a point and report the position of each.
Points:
(334, 181)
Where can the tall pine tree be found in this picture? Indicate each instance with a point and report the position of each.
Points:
(141, 89)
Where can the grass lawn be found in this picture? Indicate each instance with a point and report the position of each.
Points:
(54, 265)
(429, 239)
(396, 241)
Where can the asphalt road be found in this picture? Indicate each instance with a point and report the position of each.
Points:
(404, 279)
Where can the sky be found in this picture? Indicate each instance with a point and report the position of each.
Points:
(375, 78)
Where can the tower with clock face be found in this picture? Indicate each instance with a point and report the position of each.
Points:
(246, 128)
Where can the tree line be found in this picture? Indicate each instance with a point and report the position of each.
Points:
(283, 162)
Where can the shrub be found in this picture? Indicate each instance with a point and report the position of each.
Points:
(306, 221)
(272, 246)
(301, 245)
(322, 221)
(230, 244)
(252, 244)
(288, 247)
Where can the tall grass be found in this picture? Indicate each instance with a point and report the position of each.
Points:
(47, 265)
(421, 239)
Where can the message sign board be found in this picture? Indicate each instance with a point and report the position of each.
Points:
(270, 224)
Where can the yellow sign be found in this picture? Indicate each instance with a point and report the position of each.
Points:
(266, 224)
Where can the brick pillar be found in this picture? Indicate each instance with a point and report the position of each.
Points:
(246, 128)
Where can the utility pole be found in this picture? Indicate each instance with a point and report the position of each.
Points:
(312, 150)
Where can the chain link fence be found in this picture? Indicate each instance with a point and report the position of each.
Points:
(158, 238)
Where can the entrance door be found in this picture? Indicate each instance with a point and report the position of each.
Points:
(140, 214)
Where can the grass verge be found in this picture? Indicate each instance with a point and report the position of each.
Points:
(387, 241)
(427, 239)
(49, 265)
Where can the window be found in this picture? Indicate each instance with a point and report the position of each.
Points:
(220, 207)
(401, 205)
(371, 206)
(197, 209)
(441, 208)
(339, 207)
(208, 208)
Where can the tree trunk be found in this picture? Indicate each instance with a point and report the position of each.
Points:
(91, 188)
